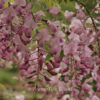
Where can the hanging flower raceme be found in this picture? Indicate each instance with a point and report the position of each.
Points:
(16, 26)
(53, 52)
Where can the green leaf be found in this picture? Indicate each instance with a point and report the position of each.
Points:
(90, 4)
(49, 3)
(48, 57)
(62, 54)
(94, 87)
(6, 77)
(62, 78)
(68, 5)
(47, 47)
(95, 14)
(34, 34)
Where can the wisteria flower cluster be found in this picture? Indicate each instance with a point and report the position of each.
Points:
(64, 56)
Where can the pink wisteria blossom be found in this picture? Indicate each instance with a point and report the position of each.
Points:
(63, 54)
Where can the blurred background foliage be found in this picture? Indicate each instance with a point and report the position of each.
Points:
(10, 86)
(64, 5)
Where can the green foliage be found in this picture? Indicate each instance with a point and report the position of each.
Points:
(94, 83)
(47, 47)
(89, 4)
(62, 54)
(48, 57)
(6, 77)
(67, 5)
(95, 14)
